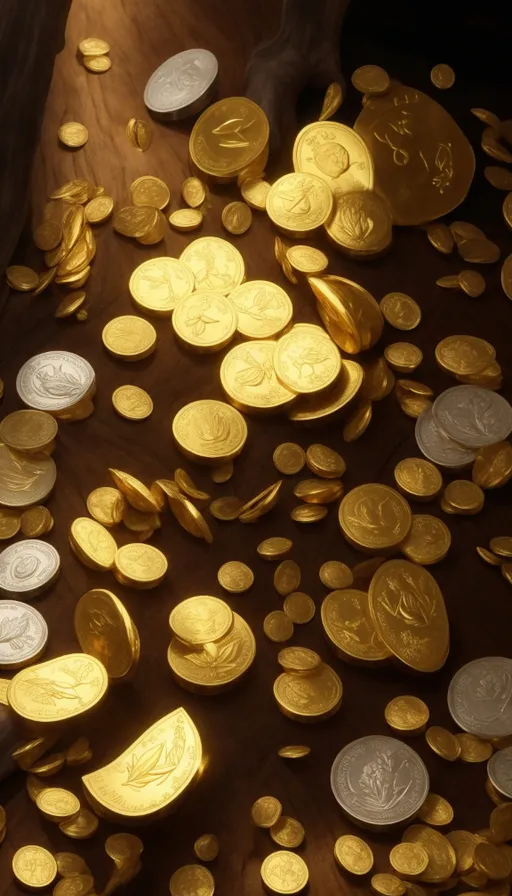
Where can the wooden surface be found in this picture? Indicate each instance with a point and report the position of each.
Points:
(240, 731)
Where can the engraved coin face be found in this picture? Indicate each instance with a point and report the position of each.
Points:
(249, 378)
(180, 81)
(335, 153)
(53, 381)
(499, 770)
(23, 634)
(299, 202)
(215, 264)
(438, 447)
(158, 284)
(473, 416)
(264, 309)
(25, 480)
(479, 697)
(28, 567)
(379, 780)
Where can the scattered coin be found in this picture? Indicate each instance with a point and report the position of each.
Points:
(207, 847)
(436, 811)
(334, 574)
(266, 811)
(443, 742)
(289, 458)
(299, 607)
(353, 854)
(287, 832)
(287, 577)
(235, 577)
(73, 134)
(442, 76)
(294, 751)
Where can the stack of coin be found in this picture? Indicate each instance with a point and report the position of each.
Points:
(94, 54)
(61, 383)
(308, 690)
(229, 139)
(182, 85)
(144, 219)
(211, 648)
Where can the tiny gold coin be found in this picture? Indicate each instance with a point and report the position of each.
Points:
(443, 742)
(463, 355)
(235, 577)
(404, 357)
(193, 192)
(10, 523)
(236, 218)
(129, 338)
(254, 191)
(307, 259)
(186, 219)
(73, 134)
(284, 873)
(92, 543)
(294, 751)
(407, 715)
(34, 867)
(47, 236)
(35, 521)
(325, 462)
(371, 80)
(192, 879)
(57, 804)
(436, 811)
(287, 577)
(409, 860)
(308, 513)
(472, 283)
(97, 64)
(299, 607)
(428, 540)
(132, 402)
(274, 548)
(278, 627)
(464, 496)
(227, 508)
(207, 847)
(492, 861)
(306, 360)
(287, 832)
(353, 854)
(201, 619)
(442, 76)
(473, 749)
(298, 659)
(298, 203)
(387, 885)
(93, 46)
(400, 311)
(150, 191)
(106, 505)
(266, 811)
(418, 478)
(289, 458)
(21, 278)
(501, 545)
(336, 575)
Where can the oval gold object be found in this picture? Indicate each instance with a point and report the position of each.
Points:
(150, 191)
(105, 630)
(289, 458)
(255, 191)
(298, 659)
(287, 832)
(472, 283)
(350, 313)
(400, 311)
(337, 154)
(158, 284)
(186, 219)
(264, 309)
(21, 278)
(209, 431)
(266, 811)
(463, 355)
(105, 505)
(205, 321)
(151, 774)
(129, 338)
(298, 203)
(201, 619)
(82, 827)
(334, 574)
(193, 192)
(306, 360)
(442, 76)
(58, 689)
(407, 715)
(235, 577)
(236, 218)
(501, 545)
(249, 378)
(428, 541)
(137, 494)
(294, 751)
(374, 517)
(215, 263)
(353, 854)
(299, 607)
(308, 513)
(371, 80)
(278, 627)
(464, 496)
(358, 422)
(418, 478)
(309, 409)
(441, 237)
(361, 224)
(73, 134)
(464, 844)
(274, 548)
(307, 259)
(228, 136)
(93, 46)
(443, 742)
(99, 209)
(92, 543)
(57, 804)
(140, 565)
(325, 462)
(287, 577)
(34, 867)
(132, 403)
(217, 665)
(349, 628)
(387, 885)
(332, 101)
(318, 491)
(472, 749)
(227, 508)
(493, 465)
(293, 865)
(97, 64)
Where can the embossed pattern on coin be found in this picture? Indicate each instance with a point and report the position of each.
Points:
(479, 697)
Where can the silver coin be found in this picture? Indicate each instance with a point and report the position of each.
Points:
(182, 85)
(480, 697)
(437, 447)
(499, 770)
(473, 416)
(28, 567)
(23, 634)
(53, 381)
(379, 781)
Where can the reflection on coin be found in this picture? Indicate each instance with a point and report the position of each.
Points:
(479, 697)
(438, 447)
(34, 867)
(499, 769)
(182, 85)
(55, 380)
(192, 879)
(201, 619)
(400, 311)
(24, 634)
(264, 308)
(159, 283)
(25, 478)
(472, 416)
(132, 402)
(284, 872)
(28, 568)
(306, 359)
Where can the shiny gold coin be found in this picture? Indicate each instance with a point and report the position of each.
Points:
(371, 80)
(235, 577)
(70, 304)
(28, 430)
(139, 134)
(132, 402)
(361, 224)
(436, 811)
(501, 545)
(274, 548)
(70, 864)
(92, 543)
(400, 311)
(158, 284)
(201, 619)
(473, 749)
(150, 191)
(187, 485)
(222, 472)
(248, 375)
(472, 283)
(353, 854)
(35, 521)
(93, 46)
(287, 577)
(106, 505)
(332, 101)
(387, 885)
(378, 380)
(506, 277)
(227, 508)
(306, 360)
(490, 378)
(325, 404)
(287, 832)
(309, 698)
(479, 251)
(451, 281)
(298, 203)
(299, 607)
(138, 495)
(418, 478)
(442, 859)
(284, 872)
(308, 513)
(236, 218)
(488, 118)
(318, 491)
(51, 764)
(99, 209)
(34, 867)
(186, 219)
(492, 861)
(307, 259)
(277, 626)
(135, 222)
(79, 752)
(73, 134)
(82, 827)
(349, 628)
(407, 715)
(228, 137)
(464, 355)
(264, 310)
(440, 236)
(255, 191)
(44, 281)
(289, 458)
(464, 844)
(409, 860)
(57, 804)
(192, 879)
(105, 631)
(261, 503)
(266, 811)
(374, 517)
(428, 540)
(325, 462)
(464, 496)
(443, 742)
(47, 236)
(358, 422)
(193, 191)
(294, 751)
(97, 64)
(298, 659)
(129, 338)
(21, 278)
(140, 565)
(335, 575)
(207, 847)
(215, 263)
(493, 465)
(10, 523)
(442, 76)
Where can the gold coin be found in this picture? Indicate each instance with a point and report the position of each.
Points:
(378, 380)
(205, 321)
(501, 823)
(235, 577)
(105, 630)
(440, 236)
(99, 209)
(35, 521)
(264, 309)
(298, 203)
(28, 431)
(334, 574)
(444, 743)
(106, 505)
(236, 217)
(92, 543)
(284, 872)
(287, 577)
(309, 698)
(464, 355)
(489, 557)
(298, 659)
(249, 379)
(209, 431)
(261, 504)
(451, 281)
(299, 607)
(413, 405)
(506, 571)
(322, 405)
(69, 864)
(488, 118)
(464, 496)
(192, 880)
(464, 844)
(135, 222)
(226, 508)
(150, 191)
(49, 765)
(21, 278)
(79, 752)
(287, 832)
(204, 669)
(201, 619)
(442, 76)
(47, 236)
(98, 64)
(186, 219)
(25, 479)
(332, 101)
(403, 356)
(371, 80)
(374, 517)
(400, 311)
(407, 715)
(82, 827)
(498, 177)
(70, 304)
(10, 523)
(228, 136)
(132, 402)
(306, 360)
(34, 867)
(57, 804)
(325, 462)
(34, 784)
(387, 885)
(436, 811)
(473, 749)
(428, 541)
(140, 565)
(73, 134)
(335, 153)
(349, 628)
(361, 224)
(506, 277)
(409, 859)
(493, 465)
(207, 847)
(215, 263)
(307, 259)
(62, 672)
(501, 545)
(308, 513)
(294, 751)
(479, 251)
(254, 191)
(139, 134)
(289, 458)
(358, 422)
(492, 861)
(472, 283)
(318, 491)
(266, 811)
(442, 859)
(138, 495)
(193, 192)
(418, 478)
(93, 46)
(129, 338)
(349, 312)
(277, 626)
(222, 472)
(274, 548)
(158, 284)
(353, 854)
(186, 484)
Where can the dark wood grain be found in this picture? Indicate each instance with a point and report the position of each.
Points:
(242, 730)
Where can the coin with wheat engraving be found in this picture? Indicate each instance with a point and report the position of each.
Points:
(23, 634)
(472, 416)
(438, 447)
(53, 381)
(182, 85)
(499, 770)
(28, 568)
(479, 697)
(379, 781)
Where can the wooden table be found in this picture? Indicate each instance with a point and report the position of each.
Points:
(241, 731)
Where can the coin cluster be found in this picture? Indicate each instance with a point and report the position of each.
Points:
(93, 53)
(288, 833)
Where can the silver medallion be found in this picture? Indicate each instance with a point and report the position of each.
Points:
(53, 381)
(28, 567)
(499, 770)
(183, 85)
(473, 416)
(437, 447)
(379, 781)
(23, 634)
(480, 697)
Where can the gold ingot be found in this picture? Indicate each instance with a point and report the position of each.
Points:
(418, 478)
(193, 192)
(249, 378)
(355, 319)
(298, 203)
(334, 575)
(443, 742)
(464, 355)
(388, 885)
(34, 867)
(349, 628)
(57, 804)
(148, 779)
(298, 659)
(287, 577)
(105, 505)
(92, 543)
(289, 458)
(158, 284)
(227, 137)
(353, 854)
(311, 408)
(106, 631)
(209, 431)
(299, 607)
(306, 360)
(309, 698)
(407, 716)
(150, 191)
(358, 422)
(73, 134)
(255, 191)
(236, 218)
(129, 338)
(318, 491)
(361, 224)
(205, 668)
(82, 827)
(287, 832)
(428, 541)
(294, 751)
(140, 566)
(374, 517)
(207, 847)
(337, 154)
(441, 854)
(436, 811)
(493, 465)
(424, 165)
(274, 548)
(186, 219)
(138, 495)
(58, 689)
(409, 860)
(205, 321)
(284, 872)
(464, 844)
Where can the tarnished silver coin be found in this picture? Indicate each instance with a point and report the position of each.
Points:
(437, 447)
(53, 381)
(379, 781)
(23, 634)
(28, 567)
(183, 85)
(472, 416)
(480, 697)
(499, 770)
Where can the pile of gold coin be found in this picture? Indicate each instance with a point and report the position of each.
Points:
(307, 690)
(94, 56)
(144, 219)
